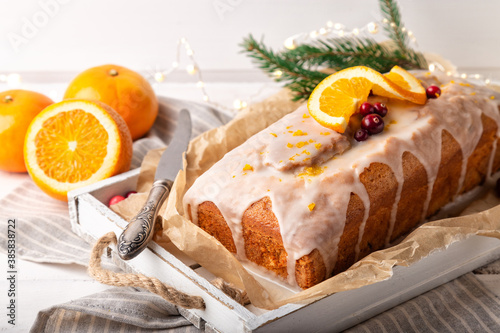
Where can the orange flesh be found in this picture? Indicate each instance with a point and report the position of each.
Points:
(71, 146)
(398, 79)
(337, 100)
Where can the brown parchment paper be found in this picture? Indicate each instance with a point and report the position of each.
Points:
(209, 147)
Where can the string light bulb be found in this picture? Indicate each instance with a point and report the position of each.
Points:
(372, 27)
(438, 66)
(336, 29)
(191, 69)
(277, 74)
(290, 43)
(159, 77)
(239, 104)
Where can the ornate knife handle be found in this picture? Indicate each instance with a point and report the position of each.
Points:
(140, 229)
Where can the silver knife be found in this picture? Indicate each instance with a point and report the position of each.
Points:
(140, 229)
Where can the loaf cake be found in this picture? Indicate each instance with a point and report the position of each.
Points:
(305, 202)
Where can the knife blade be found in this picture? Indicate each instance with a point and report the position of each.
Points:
(140, 229)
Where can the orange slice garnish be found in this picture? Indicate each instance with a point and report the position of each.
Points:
(340, 95)
(75, 143)
(408, 82)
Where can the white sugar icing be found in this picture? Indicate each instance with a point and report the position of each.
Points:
(297, 162)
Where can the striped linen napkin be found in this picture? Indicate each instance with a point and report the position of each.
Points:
(114, 310)
(461, 305)
(44, 232)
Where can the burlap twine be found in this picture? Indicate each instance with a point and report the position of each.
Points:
(152, 284)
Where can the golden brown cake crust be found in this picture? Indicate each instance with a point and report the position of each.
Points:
(261, 232)
(211, 220)
(350, 236)
(381, 185)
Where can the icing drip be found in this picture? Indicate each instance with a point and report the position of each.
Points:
(309, 171)
(398, 172)
(360, 190)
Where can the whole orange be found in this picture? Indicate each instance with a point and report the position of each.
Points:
(17, 109)
(124, 90)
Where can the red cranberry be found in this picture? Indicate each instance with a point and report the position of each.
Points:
(130, 193)
(380, 109)
(116, 199)
(433, 92)
(361, 135)
(366, 108)
(373, 123)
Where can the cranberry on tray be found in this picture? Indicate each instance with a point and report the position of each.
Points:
(130, 193)
(116, 199)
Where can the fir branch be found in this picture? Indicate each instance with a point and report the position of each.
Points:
(341, 53)
(390, 12)
(300, 80)
(304, 67)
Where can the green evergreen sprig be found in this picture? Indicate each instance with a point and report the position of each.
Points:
(390, 12)
(302, 68)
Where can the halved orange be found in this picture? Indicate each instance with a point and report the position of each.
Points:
(340, 95)
(75, 143)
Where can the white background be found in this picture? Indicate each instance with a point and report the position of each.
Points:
(142, 35)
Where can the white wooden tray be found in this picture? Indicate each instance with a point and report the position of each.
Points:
(91, 218)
